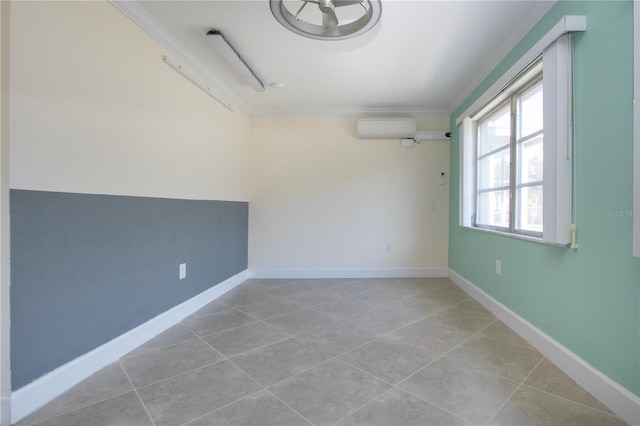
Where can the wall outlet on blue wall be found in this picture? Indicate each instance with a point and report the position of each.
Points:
(183, 271)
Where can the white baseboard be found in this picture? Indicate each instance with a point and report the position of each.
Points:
(37, 393)
(351, 273)
(619, 400)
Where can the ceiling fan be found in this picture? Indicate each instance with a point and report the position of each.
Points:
(331, 28)
(327, 8)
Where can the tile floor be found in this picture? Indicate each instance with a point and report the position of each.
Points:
(323, 352)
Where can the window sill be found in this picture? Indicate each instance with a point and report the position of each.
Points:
(516, 236)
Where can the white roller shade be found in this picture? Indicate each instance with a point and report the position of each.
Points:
(557, 75)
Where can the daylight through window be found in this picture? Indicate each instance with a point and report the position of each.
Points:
(509, 193)
(516, 145)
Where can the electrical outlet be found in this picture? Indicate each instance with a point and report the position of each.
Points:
(183, 271)
(498, 267)
(387, 246)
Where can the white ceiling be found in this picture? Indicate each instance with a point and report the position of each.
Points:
(423, 57)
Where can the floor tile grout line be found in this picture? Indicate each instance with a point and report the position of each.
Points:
(201, 338)
(514, 392)
(219, 408)
(396, 386)
(127, 356)
(286, 313)
(82, 406)
(76, 409)
(436, 405)
(332, 359)
(436, 324)
(191, 317)
(388, 334)
(426, 317)
(289, 336)
(263, 388)
(392, 387)
(300, 372)
(352, 412)
(310, 308)
(503, 341)
(436, 359)
(239, 399)
(381, 335)
(179, 374)
(294, 337)
(217, 311)
(391, 332)
(363, 371)
(610, 414)
(357, 347)
(137, 394)
(376, 308)
(232, 402)
(196, 335)
(243, 325)
(254, 349)
(403, 297)
(444, 354)
(331, 322)
(227, 329)
(275, 316)
(355, 316)
(290, 407)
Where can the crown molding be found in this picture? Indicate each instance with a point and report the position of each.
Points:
(523, 25)
(135, 12)
(354, 112)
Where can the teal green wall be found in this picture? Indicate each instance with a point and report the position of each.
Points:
(586, 299)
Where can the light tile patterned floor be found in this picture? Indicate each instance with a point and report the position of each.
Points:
(323, 352)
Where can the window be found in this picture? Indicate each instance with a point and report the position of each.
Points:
(509, 184)
(516, 145)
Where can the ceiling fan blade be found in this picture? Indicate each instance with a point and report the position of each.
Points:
(339, 3)
(329, 19)
(300, 10)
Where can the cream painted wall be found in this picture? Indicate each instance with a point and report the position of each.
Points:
(323, 199)
(5, 317)
(95, 110)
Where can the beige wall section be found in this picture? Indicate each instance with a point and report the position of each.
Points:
(321, 198)
(95, 110)
(5, 276)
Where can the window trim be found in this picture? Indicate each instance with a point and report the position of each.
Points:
(558, 163)
(567, 24)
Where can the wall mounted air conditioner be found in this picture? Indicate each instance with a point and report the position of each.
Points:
(386, 128)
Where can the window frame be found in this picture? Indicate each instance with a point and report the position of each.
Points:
(636, 137)
(510, 96)
(556, 47)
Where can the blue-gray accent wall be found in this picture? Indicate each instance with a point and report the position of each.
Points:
(88, 268)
